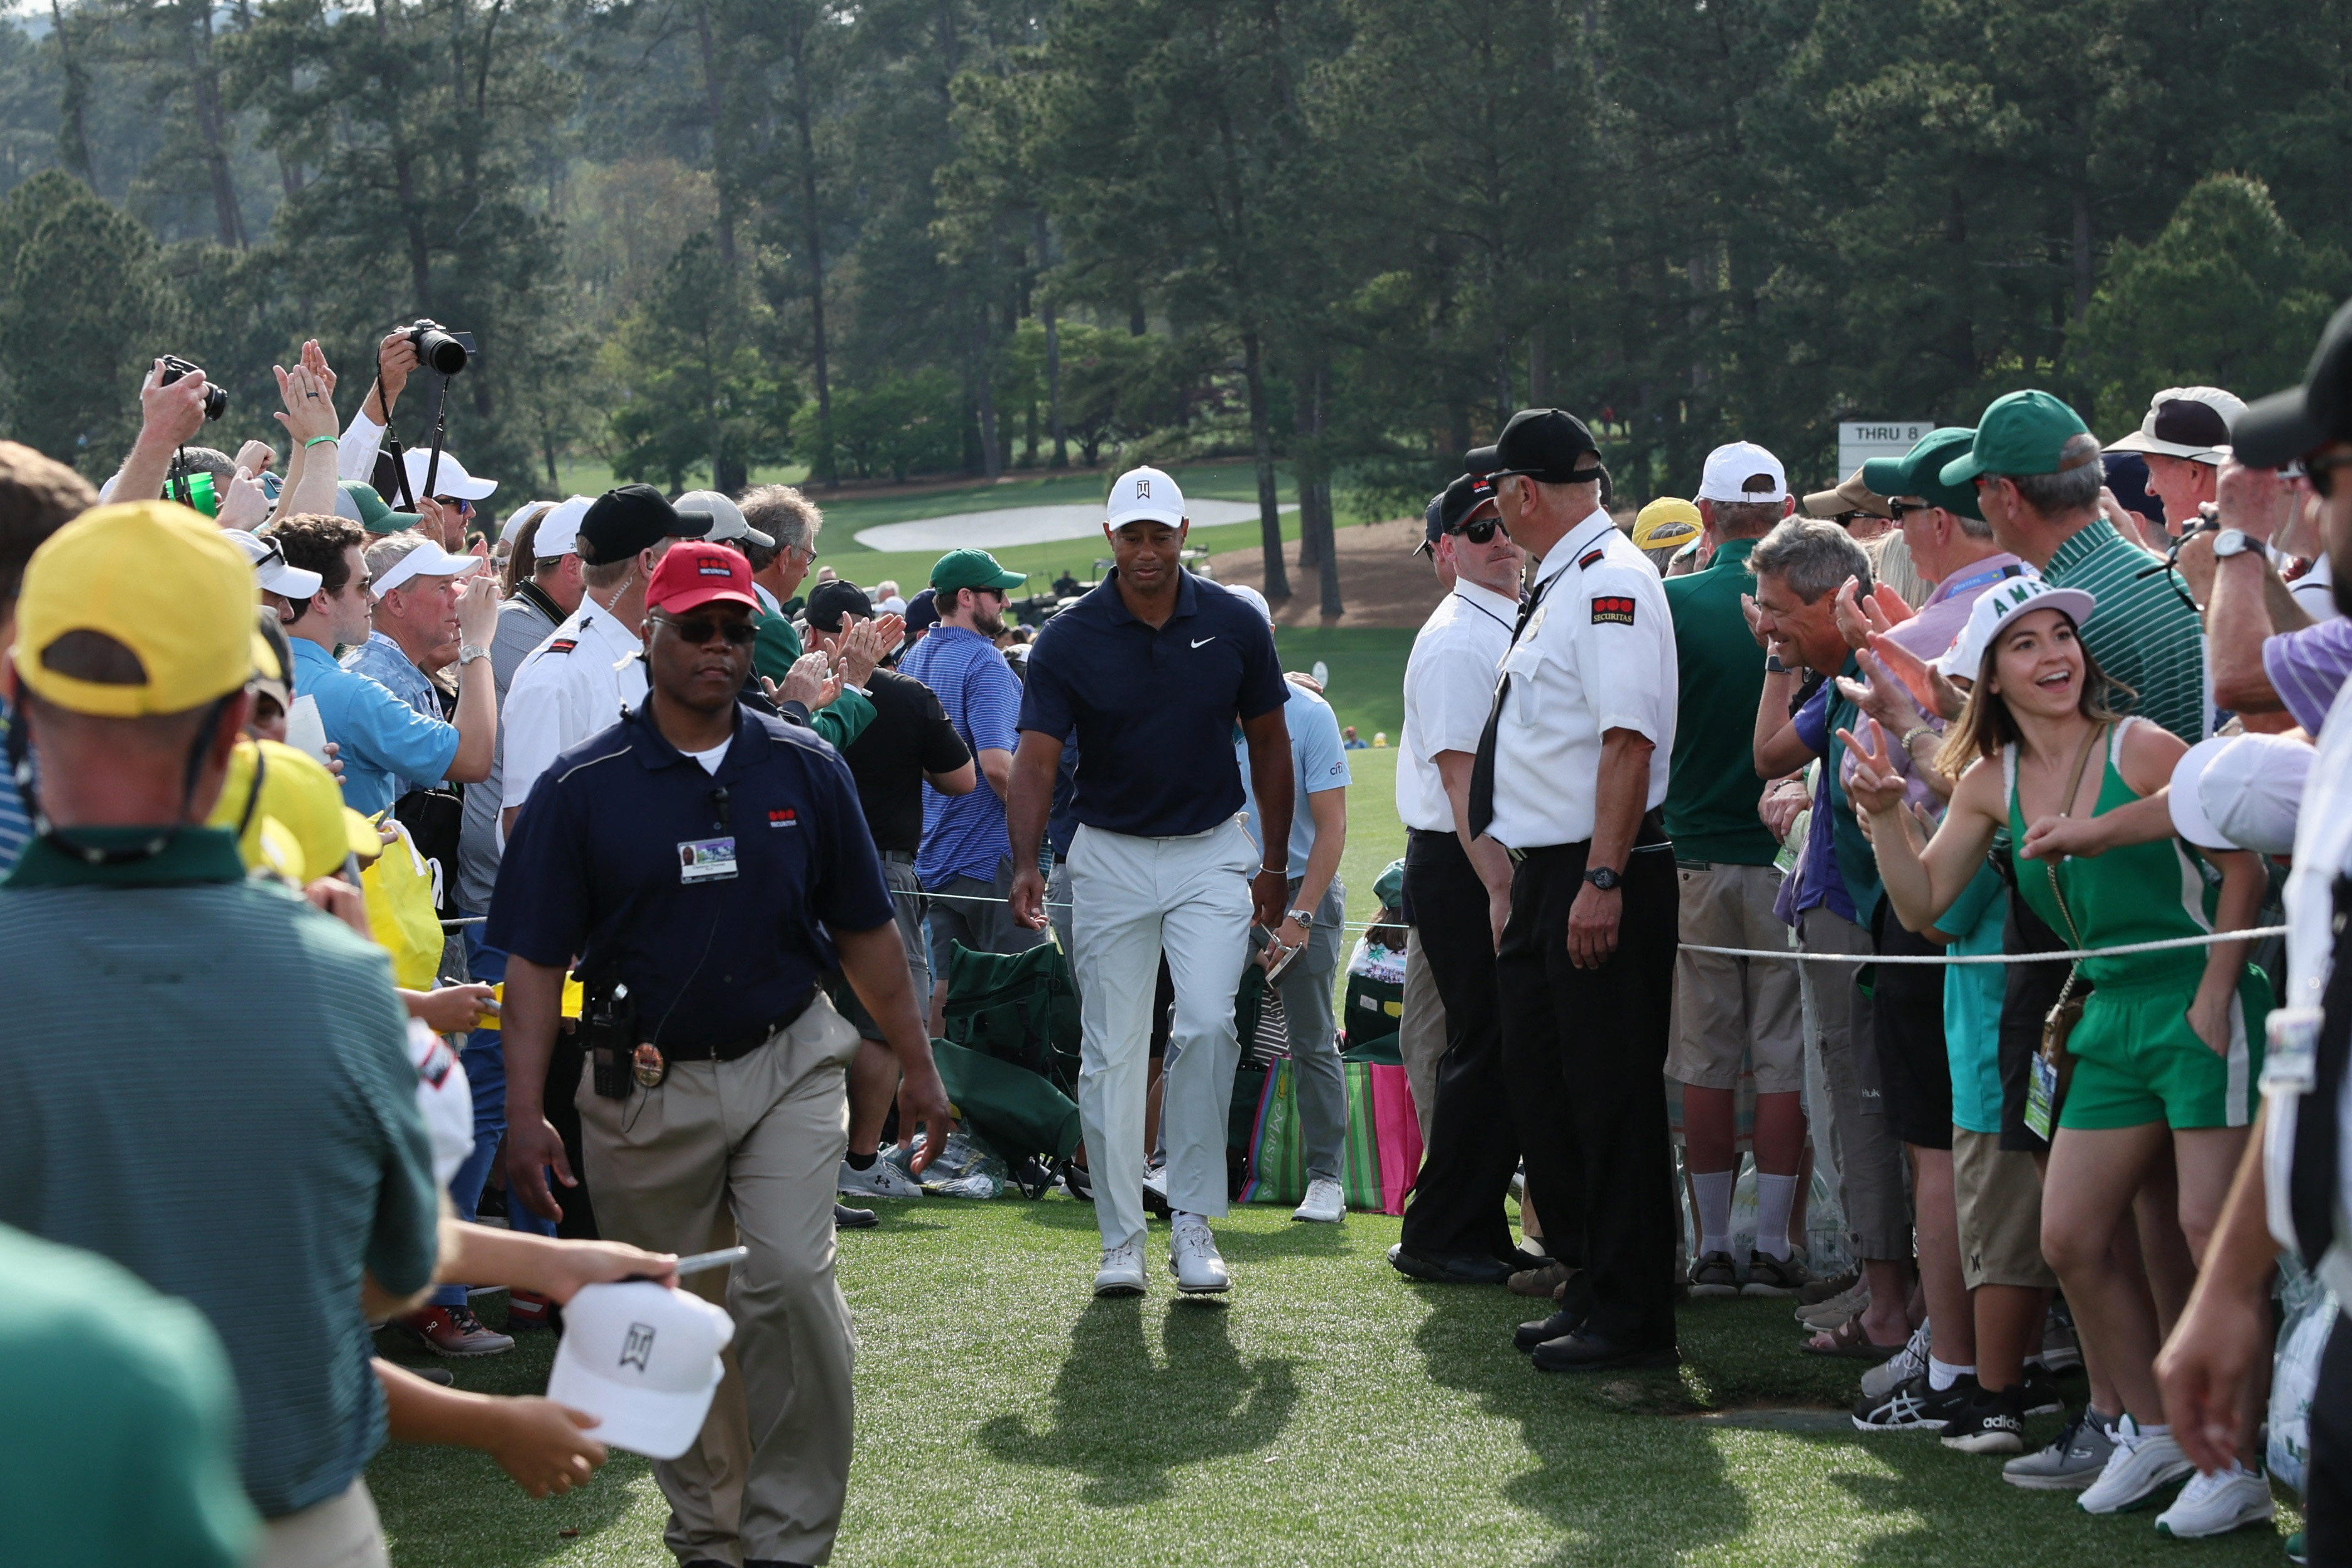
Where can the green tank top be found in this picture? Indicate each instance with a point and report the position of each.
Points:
(2141, 892)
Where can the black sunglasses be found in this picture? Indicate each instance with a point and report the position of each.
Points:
(1482, 531)
(700, 629)
(1894, 511)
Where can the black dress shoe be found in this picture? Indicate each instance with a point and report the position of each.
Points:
(847, 1218)
(1450, 1268)
(1586, 1351)
(1559, 1326)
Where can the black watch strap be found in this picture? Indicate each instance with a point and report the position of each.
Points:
(1602, 878)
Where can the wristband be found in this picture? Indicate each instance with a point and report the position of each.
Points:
(315, 439)
(1915, 733)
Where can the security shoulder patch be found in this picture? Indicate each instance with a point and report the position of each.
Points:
(564, 644)
(1613, 609)
(1589, 560)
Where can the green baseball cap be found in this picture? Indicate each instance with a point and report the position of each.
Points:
(1920, 471)
(360, 502)
(972, 569)
(2025, 433)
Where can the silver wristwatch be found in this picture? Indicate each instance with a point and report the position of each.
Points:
(2233, 541)
(1306, 918)
(467, 652)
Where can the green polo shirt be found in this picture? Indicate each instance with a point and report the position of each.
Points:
(2143, 633)
(1712, 791)
(209, 1083)
(118, 1419)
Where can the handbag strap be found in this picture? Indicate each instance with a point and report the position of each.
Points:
(2050, 867)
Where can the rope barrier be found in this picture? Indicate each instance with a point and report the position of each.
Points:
(2208, 939)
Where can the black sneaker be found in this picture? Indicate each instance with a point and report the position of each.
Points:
(2042, 1396)
(1913, 1406)
(1990, 1423)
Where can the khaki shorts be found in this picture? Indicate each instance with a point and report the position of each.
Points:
(1999, 1194)
(1728, 1008)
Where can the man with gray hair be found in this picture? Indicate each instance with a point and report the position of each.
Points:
(787, 521)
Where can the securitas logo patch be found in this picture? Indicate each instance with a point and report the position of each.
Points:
(1610, 609)
(714, 569)
(783, 816)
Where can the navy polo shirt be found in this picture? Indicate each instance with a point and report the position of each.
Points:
(1154, 711)
(596, 869)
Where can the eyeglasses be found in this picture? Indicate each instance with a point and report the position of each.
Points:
(1895, 511)
(463, 507)
(700, 629)
(1482, 531)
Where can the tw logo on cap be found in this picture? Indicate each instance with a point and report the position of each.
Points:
(638, 1347)
(1143, 489)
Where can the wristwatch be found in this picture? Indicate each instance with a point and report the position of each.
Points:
(2233, 541)
(467, 652)
(1306, 918)
(1602, 878)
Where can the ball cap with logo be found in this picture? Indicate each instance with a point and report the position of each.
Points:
(2277, 430)
(1668, 519)
(1742, 471)
(449, 479)
(626, 520)
(1545, 444)
(161, 582)
(1143, 495)
(1469, 497)
(2000, 605)
(1920, 472)
(643, 1359)
(559, 529)
(2024, 432)
(696, 573)
(972, 569)
(2191, 422)
(726, 518)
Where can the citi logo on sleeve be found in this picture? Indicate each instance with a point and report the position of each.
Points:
(1613, 610)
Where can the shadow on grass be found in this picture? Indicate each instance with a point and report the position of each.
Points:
(1124, 1422)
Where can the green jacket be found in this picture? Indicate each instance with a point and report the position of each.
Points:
(773, 655)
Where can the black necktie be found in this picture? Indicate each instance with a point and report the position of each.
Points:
(2312, 1184)
(1482, 770)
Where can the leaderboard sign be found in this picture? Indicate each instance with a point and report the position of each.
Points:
(1860, 440)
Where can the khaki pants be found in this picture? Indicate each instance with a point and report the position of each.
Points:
(340, 1532)
(1421, 1034)
(757, 1140)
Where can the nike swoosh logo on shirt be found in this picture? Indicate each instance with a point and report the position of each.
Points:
(1207, 639)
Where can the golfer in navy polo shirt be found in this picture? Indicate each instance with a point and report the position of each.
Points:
(1153, 668)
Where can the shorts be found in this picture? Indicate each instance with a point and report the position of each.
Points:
(1914, 1067)
(1731, 1009)
(907, 908)
(2138, 1061)
(1999, 1194)
(976, 913)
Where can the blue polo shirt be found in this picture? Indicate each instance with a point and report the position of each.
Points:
(964, 835)
(380, 738)
(597, 868)
(1318, 761)
(1154, 711)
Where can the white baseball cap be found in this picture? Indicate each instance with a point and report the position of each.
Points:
(1732, 472)
(1256, 600)
(559, 530)
(444, 1099)
(1996, 607)
(643, 1360)
(427, 560)
(2192, 422)
(1145, 495)
(449, 479)
(270, 567)
(2241, 791)
(727, 521)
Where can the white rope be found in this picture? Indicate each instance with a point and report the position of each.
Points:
(2205, 939)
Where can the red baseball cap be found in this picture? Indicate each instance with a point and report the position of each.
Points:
(695, 573)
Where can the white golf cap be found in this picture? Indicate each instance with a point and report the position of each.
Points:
(269, 566)
(427, 560)
(444, 1097)
(2189, 816)
(2192, 422)
(643, 1360)
(1145, 495)
(2241, 791)
(1256, 600)
(559, 530)
(449, 479)
(726, 522)
(1742, 471)
(1996, 607)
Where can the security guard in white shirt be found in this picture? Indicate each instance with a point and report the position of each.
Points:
(1570, 775)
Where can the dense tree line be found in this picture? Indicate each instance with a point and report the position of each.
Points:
(919, 235)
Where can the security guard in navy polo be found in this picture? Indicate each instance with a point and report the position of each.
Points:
(1570, 776)
(706, 866)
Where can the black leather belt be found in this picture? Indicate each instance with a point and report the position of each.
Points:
(727, 1050)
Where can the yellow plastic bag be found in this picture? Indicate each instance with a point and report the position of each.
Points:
(401, 906)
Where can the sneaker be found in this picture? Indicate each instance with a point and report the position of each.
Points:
(2298, 1552)
(1713, 1275)
(1898, 1369)
(2042, 1396)
(1837, 1285)
(1324, 1202)
(1992, 1422)
(455, 1332)
(879, 1180)
(1077, 1183)
(2069, 1464)
(2060, 1350)
(1121, 1273)
(526, 1311)
(1770, 1275)
(1914, 1407)
(2141, 1466)
(1192, 1258)
(2219, 1503)
(1823, 1316)
(1155, 1191)
(1543, 1284)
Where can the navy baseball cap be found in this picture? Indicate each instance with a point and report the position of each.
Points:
(922, 614)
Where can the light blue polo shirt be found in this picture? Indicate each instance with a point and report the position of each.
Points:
(380, 739)
(1318, 761)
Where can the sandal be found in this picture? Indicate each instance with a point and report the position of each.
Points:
(1850, 1341)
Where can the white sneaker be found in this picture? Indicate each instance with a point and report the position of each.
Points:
(2218, 1504)
(2140, 1467)
(1121, 1273)
(1324, 1202)
(1192, 1258)
(1155, 1191)
(1898, 1369)
(879, 1180)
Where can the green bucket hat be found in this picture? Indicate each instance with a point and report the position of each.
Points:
(1920, 471)
(972, 569)
(2025, 433)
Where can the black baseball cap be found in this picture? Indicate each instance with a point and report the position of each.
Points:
(1454, 506)
(922, 612)
(629, 519)
(831, 601)
(2284, 427)
(1543, 444)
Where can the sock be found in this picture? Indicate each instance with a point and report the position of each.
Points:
(2163, 1431)
(1775, 1196)
(1532, 1245)
(1714, 1189)
(1941, 1376)
(862, 1161)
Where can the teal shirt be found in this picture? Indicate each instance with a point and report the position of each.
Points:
(1972, 999)
(1712, 790)
(209, 1084)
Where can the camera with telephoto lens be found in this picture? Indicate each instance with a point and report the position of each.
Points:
(438, 348)
(216, 398)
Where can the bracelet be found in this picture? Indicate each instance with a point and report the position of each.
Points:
(1914, 732)
(315, 439)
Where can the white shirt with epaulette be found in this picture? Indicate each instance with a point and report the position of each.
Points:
(572, 686)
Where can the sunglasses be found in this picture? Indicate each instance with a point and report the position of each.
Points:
(1895, 511)
(464, 508)
(1483, 530)
(700, 629)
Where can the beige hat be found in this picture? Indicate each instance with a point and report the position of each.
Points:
(1851, 496)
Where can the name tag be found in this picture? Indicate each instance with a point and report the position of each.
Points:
(706, 859)
(2291, 1062)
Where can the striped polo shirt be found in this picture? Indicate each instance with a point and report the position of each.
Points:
(2143, 633)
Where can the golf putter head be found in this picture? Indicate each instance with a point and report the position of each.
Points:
(1282, 965)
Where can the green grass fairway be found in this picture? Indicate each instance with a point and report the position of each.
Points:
(1334, 1413)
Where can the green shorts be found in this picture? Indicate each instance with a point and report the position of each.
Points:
(2138, 1061)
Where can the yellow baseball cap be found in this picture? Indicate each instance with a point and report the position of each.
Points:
(1666, 520)
(158, 579)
